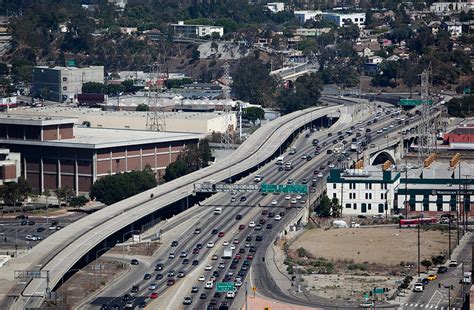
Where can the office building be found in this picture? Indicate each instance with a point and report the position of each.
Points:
(56, 154)
(367, 191)
(303, 16)
(275, 7)
(63, 83)
(10, 164)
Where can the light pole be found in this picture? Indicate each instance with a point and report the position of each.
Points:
(419, 239)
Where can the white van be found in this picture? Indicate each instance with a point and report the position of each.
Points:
(257, 178)
(217, 211)
(230, 294)
(209, 285)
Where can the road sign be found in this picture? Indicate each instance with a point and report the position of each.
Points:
(284, 188)
(378, 290)
(225, 287)
(413, 102)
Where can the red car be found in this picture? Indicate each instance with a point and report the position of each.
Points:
(153, 295)
(196, 251)
(221, 234)
(241, 227)
(237, 256)
(249, 256)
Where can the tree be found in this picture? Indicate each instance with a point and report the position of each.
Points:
(93, 88)
(305, 94)
(195, 54)
(336, 208)
(142, 107)
(129, 87)
(4, 70)
(324, 208)
(426, 263)
(253, 114)
(79, 201)
(64, 194)
(252, 81)
(113, 188)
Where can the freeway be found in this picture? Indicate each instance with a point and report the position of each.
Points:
(59, 252)
(228, 223)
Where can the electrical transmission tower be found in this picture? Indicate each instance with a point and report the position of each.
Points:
(426, 134)
(155, 117)
(227, 137)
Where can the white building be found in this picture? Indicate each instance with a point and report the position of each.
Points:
(303, 16)
(276, 7)
(363, 192)
(451, 7)
(341, 19)
(192, 31)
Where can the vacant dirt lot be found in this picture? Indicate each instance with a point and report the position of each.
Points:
(387, 246)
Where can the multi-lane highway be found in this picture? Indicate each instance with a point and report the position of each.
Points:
(229, 223)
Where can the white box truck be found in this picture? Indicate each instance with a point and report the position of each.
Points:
(227, 253)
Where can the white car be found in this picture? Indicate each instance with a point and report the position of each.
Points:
(293, 201)
(221, 265)
(418, 287)
(331, 166)
(202, 278)
(208, 268)
(152, 287)
(298, 197)
(232, 247)
(209, 285)
(238, 283)
(252, 224)
(210, 244)
(277, 217)
(225, 243)
(320, 175)
(274, 202)
(230, 294)
(303, 157)
(287, 197)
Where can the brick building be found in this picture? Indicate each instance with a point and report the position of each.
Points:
(55, 154)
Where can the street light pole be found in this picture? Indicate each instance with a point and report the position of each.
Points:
(419, 239)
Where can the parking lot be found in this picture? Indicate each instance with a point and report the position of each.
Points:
(13, 231)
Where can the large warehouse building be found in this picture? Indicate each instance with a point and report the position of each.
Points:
(196, 122)
(56, 154)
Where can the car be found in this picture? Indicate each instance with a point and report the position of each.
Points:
(232, 199)
(210, 244)
(209, 285)
(418, 287)
(194, 289)
(183, 254)
(214, 257)
(241, 227)
(320, 175)
(225, 243)
(287, 197)
(252, 224)
(277, 217)
(185, 261)
(195, 262)
(212, 302)
(442, 269)
(147, 276)
(135, 289)
(262, 221)
(221, 234)
(181, 274)
(187, 300)
(453, 263)
(40, 229)
(282, 214)
(298, 197)
(142, 304)
(214, 231)
(127, 297)
(238, 217)
(31, 223)
(243, 198)
(152, 287)
(303, 156)
(269, 226)
(159, 276)
(368, 304)
(174, 243)
(258, 227)
(248, 238)
(195, 251)
(154, 295)
(208, 267)
(264, 212)
(221, 265)
(202, 278)
(51, 227)
(424, 281)
(171, 255)
(171, 274)
(432, 277)
(129, 305)
(274, 202)
(159, 266)
(293, 201)
(259, 237)
(232, 247)
(104, 307)
(236, 241)
(197, 231)
(170, 282)
(242, 250)
(230, 294)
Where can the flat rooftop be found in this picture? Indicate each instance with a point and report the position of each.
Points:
(35, 120)
(62, 112)
(441, 170)
(97, 138)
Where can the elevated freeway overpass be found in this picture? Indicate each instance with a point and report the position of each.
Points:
(62, 251)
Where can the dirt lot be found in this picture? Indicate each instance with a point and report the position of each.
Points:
(373, 245)
(349, 262)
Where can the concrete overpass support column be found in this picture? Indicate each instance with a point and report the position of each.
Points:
(41, 175)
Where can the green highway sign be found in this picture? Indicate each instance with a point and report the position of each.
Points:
(378, 290)
(223, 287)
(284, 188)
(413, 102)
(467, 90)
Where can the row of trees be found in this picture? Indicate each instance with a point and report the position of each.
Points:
(192, 158)
(109, 89)
(461, 107)
(329, 207)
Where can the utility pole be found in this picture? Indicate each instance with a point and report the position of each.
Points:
(155, 117)
(419, 240)
(406, 188)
